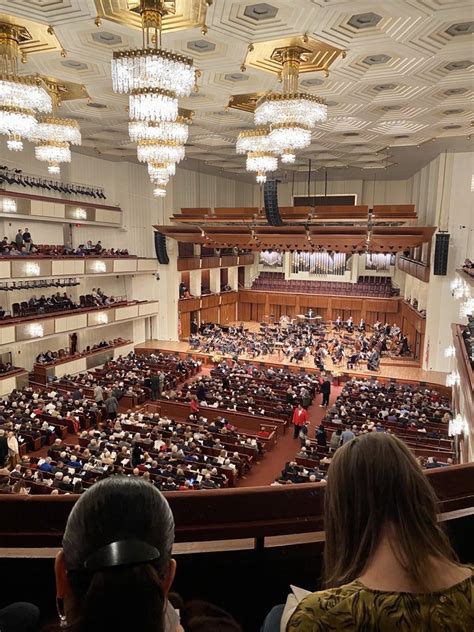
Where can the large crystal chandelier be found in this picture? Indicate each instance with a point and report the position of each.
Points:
(154, 78)
(262, 162)
(290, 114)
(159, 151)
(261, 156)
(20, 97)
(54, 135)
(165, 130)
(161, 169)
(151, 67)
(53, 152)
(253, 140)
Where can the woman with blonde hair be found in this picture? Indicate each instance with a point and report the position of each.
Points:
(388, 565)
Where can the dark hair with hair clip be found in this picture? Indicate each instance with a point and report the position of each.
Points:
(117, 548)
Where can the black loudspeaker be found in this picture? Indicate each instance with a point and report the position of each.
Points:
(160, 248)
(441, 254)
(271, 203)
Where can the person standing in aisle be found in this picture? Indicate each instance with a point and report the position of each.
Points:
(300, 417)
(326, 392)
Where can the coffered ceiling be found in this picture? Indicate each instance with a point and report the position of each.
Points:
(403, 92)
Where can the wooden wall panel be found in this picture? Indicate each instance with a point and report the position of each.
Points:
(210, 315)
(185, 325)
(210, 301)
(227, 313)
(188, 305)
(229, 297)
(282, 299)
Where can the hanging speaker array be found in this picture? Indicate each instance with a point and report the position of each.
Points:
(160, 248)
(270, 197)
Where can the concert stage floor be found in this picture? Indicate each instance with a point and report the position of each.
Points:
(396, 368)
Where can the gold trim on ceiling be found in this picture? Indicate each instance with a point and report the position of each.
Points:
(245, 102)
(66, 90)
(314, 55)
(34, 37)
(181, 14)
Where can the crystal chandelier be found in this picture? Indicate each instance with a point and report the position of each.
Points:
(158, 169)
(152, 67)
(165, 130)
(159, 151)
(54, 135)
(262, 162)
(53, 152)
(286, 138)
(253, 140)
(290, 114)
(296, 108)
(159, 191)
(153, 104)
(155, 78)
(20, 97)
(59, 129)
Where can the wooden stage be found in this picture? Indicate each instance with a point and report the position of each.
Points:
(396, 368)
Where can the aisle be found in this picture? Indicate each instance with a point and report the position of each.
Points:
(273, 462)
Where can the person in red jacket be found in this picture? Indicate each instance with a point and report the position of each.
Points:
(194, 406)
(300, 417)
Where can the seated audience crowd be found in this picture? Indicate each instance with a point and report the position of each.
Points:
(60, 302)
(51, 357)
(468, 337)
(23, 245)
(244, 388)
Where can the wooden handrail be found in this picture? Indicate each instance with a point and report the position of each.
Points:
(221, 514)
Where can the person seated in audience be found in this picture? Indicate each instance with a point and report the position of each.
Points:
(182, 289)
(130, 560)
(386, 558)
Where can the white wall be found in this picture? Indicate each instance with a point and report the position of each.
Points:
(443, 197)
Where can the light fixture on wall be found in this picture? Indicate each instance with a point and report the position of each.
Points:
(102, 318)
(35, 330)
(9, 205)
(459, 288)
(450, 352)
(79, 213)
(452, 379)
(99, 266)
(466, 308)
(32, 269)
(458, 426)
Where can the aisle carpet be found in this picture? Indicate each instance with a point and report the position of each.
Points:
(286, 448)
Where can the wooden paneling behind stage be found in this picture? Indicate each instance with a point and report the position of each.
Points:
(215, 308)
